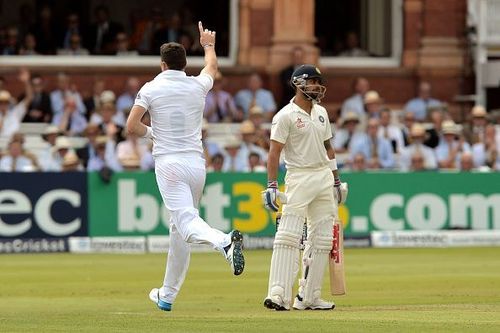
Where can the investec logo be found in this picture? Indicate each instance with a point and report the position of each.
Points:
(427, 211)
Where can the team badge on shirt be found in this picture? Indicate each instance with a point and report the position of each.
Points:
(299, 123)
(322, 119)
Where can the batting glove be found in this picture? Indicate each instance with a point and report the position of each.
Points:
(270, 196)
(340, 191)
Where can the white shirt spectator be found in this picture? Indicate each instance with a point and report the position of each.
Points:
(11, 120)
(21, 164)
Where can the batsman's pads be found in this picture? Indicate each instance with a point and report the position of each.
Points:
(285, 258)
(270, 196)
(336, 260)
(315, 257)
(341, 192)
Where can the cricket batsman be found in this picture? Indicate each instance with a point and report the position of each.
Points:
(313, 190)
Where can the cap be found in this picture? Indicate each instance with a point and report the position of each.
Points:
(232, 142)
(372, 97)
(349, 116)
(107, 96)
(5, 96)
(247, 127)
(449, 127)
(70, 159)
(417, 130)
(254, 110)
(479, 111)
(62, 142)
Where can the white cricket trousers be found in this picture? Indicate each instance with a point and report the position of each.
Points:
(181, 178)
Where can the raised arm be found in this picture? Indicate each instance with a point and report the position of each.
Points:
(207, 41)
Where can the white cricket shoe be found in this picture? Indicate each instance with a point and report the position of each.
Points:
(154, 296)
(276, 303)
(234, 254)
(317, 304)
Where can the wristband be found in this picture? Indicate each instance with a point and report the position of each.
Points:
(337, 182)
(208, 45)
(333, 164)
(272, 183)
(149, 133)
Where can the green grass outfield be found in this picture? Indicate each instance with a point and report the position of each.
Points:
(389, 290)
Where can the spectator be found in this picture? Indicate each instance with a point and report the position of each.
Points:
(373, 104)
(356, 102)
(262, 135)
(46, 155)
(390, 132)
(85, 153)
(64, 89)
(132, 148)
(61, 148)
(40, 109)
(12, 44)
(168, 33)
(419, 106)
(247, 132)
(210, 148)
(216, 163)
(417, 146)
(29, 46)
(255, 164)
(234, 161)
(122, 47)
(487, 153)
(104, 156)
(15, 160)
(70, 121)
(408, 121)
(474, 130)
(93, 102)
(253, 95)
(71, 163)
(219, 104)
(466, 162)
(126, 100)
(106, 122)
(342, 139)
(353, 49)
(297, 59)
(142, 37)
(433, 134)
(417, 162)
(102, 34)
(45, 30)
(187, 41)
(377, 151)
(11, 116)
(358, 163)
(450, 149)
(75, 47)
(72, 28)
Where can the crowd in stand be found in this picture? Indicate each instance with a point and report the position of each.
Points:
(368, 135)
(47, 34)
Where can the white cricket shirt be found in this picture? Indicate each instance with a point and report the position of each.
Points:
(303, 135)
(175, 103)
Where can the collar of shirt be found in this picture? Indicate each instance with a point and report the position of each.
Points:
(298, 108)
(173, 73)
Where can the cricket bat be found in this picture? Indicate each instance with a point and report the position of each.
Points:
(336, 260)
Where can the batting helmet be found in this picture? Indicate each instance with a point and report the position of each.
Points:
(314, 92)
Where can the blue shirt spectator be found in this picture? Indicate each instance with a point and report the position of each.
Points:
(356, 103)
(256, 95)
(420, 105)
